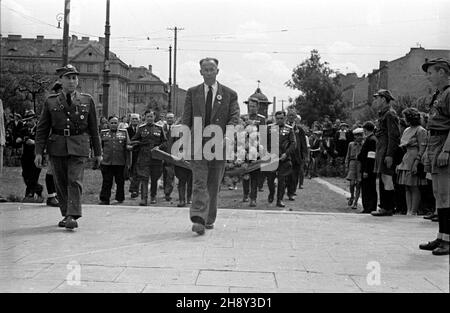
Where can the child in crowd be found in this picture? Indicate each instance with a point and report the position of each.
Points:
(354, 167)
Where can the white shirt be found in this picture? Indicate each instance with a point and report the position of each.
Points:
(214, 90)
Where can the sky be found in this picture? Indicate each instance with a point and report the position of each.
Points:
(254, 40)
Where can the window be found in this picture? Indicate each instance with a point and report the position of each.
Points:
(90, 68)
(100, 98)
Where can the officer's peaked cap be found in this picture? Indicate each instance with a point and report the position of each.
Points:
(440, 61)
(67, 70)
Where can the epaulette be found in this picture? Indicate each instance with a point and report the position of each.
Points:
(105, 130)
(262, 116)
(289, 126)
(142, 125)
(53, 95)
(270, 125)
(123, 129)
(85, 94)
(159, 125)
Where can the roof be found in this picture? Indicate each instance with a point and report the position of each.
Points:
(15, 45)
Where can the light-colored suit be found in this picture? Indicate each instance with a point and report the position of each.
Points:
(207, 175)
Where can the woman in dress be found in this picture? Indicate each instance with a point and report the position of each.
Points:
(413, 141)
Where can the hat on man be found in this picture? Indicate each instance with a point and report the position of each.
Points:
(29, 114)
(67, 70)
(358, 131)
(384, 93)
(343, 124)
(440, 61)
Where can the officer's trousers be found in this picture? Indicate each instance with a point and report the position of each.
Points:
(134, 179)
(250, 185)
(369, 193)
(68, 172)
(184, 176)
(155, 173)
(110, 173)
(30, 174)
(281, 185)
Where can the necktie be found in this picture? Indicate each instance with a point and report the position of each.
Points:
(208, 106)
(69, 99)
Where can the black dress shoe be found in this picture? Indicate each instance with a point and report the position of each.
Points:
(153, 201)
(261, 189)
(252, 203)
(270, 199)
(198, 228)
(245, 199)
(52, 201)
(443, 249)
(431, 245)
(435, 219)
(103, 203)
(300, 187)
(280, 204)
(181, 204)
(168, 198)
(291, 198)
(62, 223)
(71, 223)
(189, 201)
(209, 226)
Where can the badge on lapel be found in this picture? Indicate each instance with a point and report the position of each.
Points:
(219, 97)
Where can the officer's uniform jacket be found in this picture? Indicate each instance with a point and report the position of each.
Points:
(439, 128)
(301, 150)
(68, 130)
(114, 144)
(388, 136)
(147, 137)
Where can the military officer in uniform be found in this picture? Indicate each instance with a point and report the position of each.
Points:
(116, 158)
(436, 156)
(286, 147)
(67, 127)
(149, 136)
(250, 186)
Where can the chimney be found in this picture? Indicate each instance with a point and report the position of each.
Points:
(14, 37)
(39, 38)
(85, 39)
(74, 38)
(101, 40)
(383, 64)
(150, 68)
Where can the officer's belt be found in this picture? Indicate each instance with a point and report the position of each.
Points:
(434, 132)
(68, 132)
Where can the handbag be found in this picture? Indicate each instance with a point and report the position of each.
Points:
(421, 171)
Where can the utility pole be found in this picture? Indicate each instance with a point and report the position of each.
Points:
(274, 106)
(169, 107)
(106, 68)
(282, 104)
(65, 56)
(175, 29)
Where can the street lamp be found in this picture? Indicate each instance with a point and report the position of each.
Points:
(59, 19)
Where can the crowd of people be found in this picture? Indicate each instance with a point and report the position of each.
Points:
(407, 154)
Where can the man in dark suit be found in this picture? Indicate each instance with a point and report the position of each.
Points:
(134, 181)
(209, 103)
(168, 169)
(369, 178)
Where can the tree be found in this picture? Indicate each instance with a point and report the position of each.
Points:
(320, 90)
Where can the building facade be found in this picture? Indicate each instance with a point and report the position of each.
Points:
(404, 76)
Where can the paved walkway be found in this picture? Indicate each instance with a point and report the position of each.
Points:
(133, 249)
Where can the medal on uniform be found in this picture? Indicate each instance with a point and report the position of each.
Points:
(82, 117)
